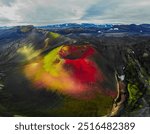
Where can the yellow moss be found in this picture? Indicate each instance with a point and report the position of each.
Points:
(49, 62)
(54, 35)
(28, 52)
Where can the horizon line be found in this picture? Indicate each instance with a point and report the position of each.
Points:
(36, 25)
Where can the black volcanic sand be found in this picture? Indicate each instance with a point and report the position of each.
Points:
(19, 98)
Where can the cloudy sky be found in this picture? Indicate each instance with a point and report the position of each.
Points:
(42, 12)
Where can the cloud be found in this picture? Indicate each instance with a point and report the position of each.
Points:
(41, 12)
(53, 11)
(7, 2)
(125, 11)
(4, 21)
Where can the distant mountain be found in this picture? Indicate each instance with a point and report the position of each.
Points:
(5, 27)
(67, 28)
(75, 25)
(103, 29)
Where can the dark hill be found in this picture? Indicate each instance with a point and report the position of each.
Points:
(123, 52)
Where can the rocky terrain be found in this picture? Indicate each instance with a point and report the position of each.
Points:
(122, 55)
